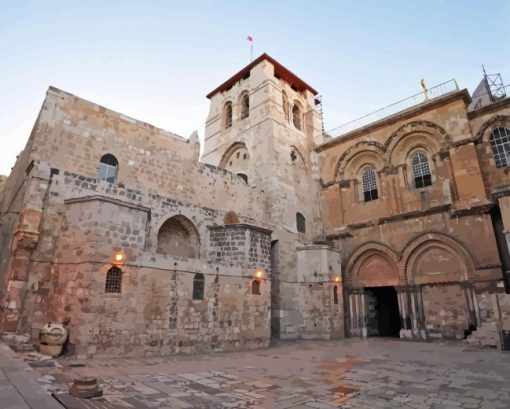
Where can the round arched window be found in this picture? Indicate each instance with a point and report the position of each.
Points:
(369, 181)
(421, 170)
(297, 116)
(228, 115)
(500, 144)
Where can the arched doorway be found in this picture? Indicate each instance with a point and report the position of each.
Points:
(373, 306)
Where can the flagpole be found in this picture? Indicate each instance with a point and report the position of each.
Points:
(250, 39)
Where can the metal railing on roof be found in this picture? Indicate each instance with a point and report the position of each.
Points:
(424, 96)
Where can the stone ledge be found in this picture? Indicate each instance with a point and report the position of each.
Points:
(117, 202)
(239, 226)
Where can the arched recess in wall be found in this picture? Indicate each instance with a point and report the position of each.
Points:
(494, 136)
(372, 265)
(417, 135)
(498, 121)
(236, 159)
(244, 105)
(436, 258)
(231, 217)
(178, 237)
(353, 159)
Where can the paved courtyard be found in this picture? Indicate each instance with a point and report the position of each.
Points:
(373, 373)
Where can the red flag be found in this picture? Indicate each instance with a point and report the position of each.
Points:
(250, 39)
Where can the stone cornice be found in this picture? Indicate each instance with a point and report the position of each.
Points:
(318, 247)
(495, 106)
(479, 208)
(107, 199)
(239, 225)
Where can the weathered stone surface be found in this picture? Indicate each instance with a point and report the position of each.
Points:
(269, 234)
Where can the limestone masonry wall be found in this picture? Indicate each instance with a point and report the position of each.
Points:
(276, 232)
(86, 222)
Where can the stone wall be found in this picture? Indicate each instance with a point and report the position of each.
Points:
(446, 311)
(277, 157)
(237, 244)
(418, 240)
(483, 122)
(3, 181)
(85, 223)
(73, 134)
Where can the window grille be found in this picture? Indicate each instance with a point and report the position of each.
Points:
(113, 282)
(198, 286)
(369, 181)
(500, 144)
(421, 170)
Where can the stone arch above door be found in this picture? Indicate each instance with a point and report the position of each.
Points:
(436, 258)
(373, 265)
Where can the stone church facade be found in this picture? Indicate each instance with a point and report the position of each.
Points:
(275, 231)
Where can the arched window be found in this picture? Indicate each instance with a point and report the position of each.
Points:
(198, 286)
(228, 115)
(296, 116)
(335, 294)
(369, 184)
(255, 287)
(500, 144)
(245, 106)
(108, 166)
(300, 223)
(285, 104)
(113, 282)
(179, 237)
(421, 170)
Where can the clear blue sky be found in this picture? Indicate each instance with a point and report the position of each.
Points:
(156, 60)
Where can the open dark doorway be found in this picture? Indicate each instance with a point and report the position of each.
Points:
(383, 315)
(497, 223)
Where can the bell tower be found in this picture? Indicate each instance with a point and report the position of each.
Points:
(262, 126)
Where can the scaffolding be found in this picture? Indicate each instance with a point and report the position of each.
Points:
(494, 85)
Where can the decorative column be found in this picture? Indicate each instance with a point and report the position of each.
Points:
(422, 331)
(363, 315)
(357, 310)
(472, 302)
(416, 321)
(405, 314)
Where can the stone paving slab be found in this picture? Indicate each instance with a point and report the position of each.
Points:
(18, 389)
(374, 373)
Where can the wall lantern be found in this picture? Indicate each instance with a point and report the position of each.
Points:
(259, 274)
(336, 279)
(119, 258)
